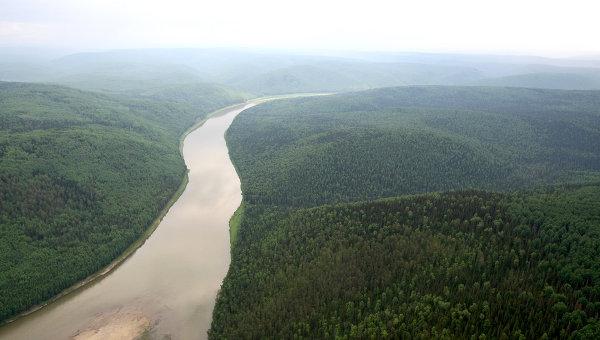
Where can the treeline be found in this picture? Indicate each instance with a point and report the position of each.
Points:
(82, 175)
(466, 264)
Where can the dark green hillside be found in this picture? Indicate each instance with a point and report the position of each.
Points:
(456, 265)
(462, 264)
(176, 107)
(404, 140)
(82, 176)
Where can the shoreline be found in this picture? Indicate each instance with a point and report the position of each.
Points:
(129, 251)
(238, 214)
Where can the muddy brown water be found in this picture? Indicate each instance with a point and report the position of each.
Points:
(167, 288)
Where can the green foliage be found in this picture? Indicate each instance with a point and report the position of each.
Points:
(234, 224)
(309, 263)
(396, 141)
(82, 176)
(454, 265)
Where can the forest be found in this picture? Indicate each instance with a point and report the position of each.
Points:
(402, 212)
(417, 212)
(466, 264)
(407, 140)
(82, 176)
(231, 170)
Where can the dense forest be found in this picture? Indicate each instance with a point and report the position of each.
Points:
(417, 212)
(408, 140)
(82, 176)
(450, 265)
(406, 212)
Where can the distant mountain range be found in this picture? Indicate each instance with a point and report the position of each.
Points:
(268, 72)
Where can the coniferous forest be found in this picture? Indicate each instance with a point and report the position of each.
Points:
(417, 212)
(82, 176)
(231, 170)
(420, 211)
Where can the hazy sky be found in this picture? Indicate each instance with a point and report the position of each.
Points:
(545, 27)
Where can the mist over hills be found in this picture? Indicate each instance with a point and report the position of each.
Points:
(276, 72)
(560, 81)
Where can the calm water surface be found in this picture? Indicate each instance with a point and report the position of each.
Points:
(168, 286)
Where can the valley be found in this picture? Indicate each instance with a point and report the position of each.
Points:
(168, 286)
(164, 193)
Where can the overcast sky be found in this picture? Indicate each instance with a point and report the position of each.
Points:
(543, 27)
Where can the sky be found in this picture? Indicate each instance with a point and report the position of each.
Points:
(548, 28)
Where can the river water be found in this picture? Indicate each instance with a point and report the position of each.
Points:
(167, 288)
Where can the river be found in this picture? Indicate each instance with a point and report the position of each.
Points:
(167, 288)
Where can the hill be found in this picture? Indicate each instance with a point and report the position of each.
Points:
(344, 233)
(82, 176)
(407, 140)
(561, 81)
(264, 72)
(342, 75)
(456, 265)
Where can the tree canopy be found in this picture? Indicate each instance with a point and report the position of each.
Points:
(82, 176)
(417, 212)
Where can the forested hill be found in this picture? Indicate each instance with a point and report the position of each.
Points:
(497, 262)
(451, 266)
(82, 176)
(407, 140)
(565, 81)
